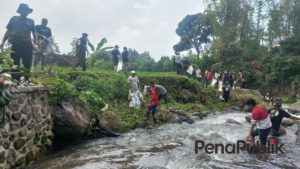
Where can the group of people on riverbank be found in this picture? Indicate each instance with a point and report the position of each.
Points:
(155, 91)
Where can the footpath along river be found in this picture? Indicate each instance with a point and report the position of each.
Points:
(173, 146)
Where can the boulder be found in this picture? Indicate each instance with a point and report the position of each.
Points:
(195, 118)
(72, 119)
(186, 96)
(235, 108)
(144, 125)
(248, 118)
(62, 60)
(288, 122)
(205, 113)
(197, 114)
(182, 116)
(215, 112)
(233, 122)
(172, 118)
(295, 108)
(109, 121)
(298, 134)
(239, 103)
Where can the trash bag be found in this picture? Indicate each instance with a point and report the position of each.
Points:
(190, 70)
(221, 97)
(214, 81)
(136, 98)
(220, 85)
(120, 65)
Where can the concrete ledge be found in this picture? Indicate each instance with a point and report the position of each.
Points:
(28, 89)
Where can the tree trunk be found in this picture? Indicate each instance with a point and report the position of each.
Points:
(198, 54)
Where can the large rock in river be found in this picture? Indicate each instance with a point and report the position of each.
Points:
(109, 121)
(248, 118)
(72, 119)
(295, 108)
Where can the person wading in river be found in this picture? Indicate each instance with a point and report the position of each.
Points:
(161, 92)
(225, 94)
(260, 118)
(276, 115)
(152, 107)
(18, 33)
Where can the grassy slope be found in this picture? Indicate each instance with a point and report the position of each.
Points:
(129, 116)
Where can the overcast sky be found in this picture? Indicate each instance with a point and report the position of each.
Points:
(145, 25)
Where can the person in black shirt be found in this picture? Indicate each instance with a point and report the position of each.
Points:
(225, 94)
(81, 50)
(115, 57)
(44, 35)
(231, 79)
(18, 34)
(276, 115)
(126, 61)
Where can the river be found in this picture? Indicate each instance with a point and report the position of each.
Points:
(172, 146)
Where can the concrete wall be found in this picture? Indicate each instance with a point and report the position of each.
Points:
(26, 134)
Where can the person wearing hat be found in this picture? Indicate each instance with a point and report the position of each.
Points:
(18, 34)
(126, 61)
(276, 115)
(133, 84)
(44, 35)
(81, 51)
(115, 57)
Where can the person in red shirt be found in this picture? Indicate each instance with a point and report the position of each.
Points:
(211, 76)
(152, 107)
(261, 119)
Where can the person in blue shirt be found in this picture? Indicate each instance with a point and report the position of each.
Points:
(44, 37)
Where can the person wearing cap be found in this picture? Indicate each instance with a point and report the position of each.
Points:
(152, 107)
(126, 61)
(18, 34)
(44, 35)
(115, 57)
(276, 115)
(133, 84)
(81, 51)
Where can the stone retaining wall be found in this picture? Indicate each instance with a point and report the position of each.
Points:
(26, 134)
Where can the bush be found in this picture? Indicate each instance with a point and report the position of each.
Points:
(93, 100)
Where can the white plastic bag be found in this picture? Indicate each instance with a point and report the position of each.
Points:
(220, 85)
(190, 70)
(135, 99)
(120, 65)
(214, 81)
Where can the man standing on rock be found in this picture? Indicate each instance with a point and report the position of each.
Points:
(81, 51)
(18, 33)
(260, 118)
(152, 107)
(276, 115)
(115, 57)
(161, 92)
(133, 84)
(126, 61)
(225, 94)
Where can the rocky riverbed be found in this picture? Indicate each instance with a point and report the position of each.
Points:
(173, 146)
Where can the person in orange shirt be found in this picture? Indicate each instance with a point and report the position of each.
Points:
(152, 107)
(206, 77)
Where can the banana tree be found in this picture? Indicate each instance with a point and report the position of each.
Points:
(6, 82)
(99, 48)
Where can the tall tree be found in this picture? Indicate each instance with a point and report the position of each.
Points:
(194, 32)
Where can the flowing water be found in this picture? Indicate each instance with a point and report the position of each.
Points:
(173, 146)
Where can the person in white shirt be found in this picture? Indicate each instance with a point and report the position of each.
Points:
(216, 77)
(199, 76)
